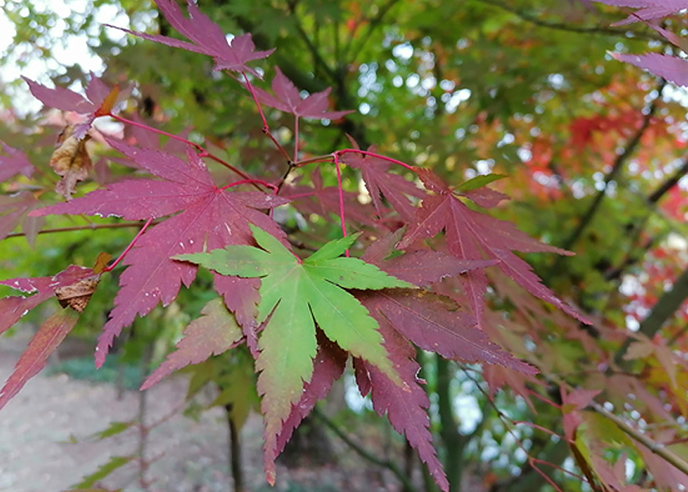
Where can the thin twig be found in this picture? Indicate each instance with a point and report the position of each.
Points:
(201, 150)
(620, 160)
(372, 25)
(111, 267)
(87, 227)
(266, 127)
(364, 453)
(655, 447)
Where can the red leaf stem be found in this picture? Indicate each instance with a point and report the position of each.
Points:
(266, 127)
(253, 181)
(313, 160)
(131, 245)
(341, 196)
(202, 152)
(373, 154)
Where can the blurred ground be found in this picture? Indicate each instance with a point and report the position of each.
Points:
(35, 457)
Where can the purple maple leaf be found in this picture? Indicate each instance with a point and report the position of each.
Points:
(406, 407)
(381, 183)
(210, 218)
(287, 98)
(671, 68)
(50, 334)
(475, 236)
(207, 38)
(648, 9)
(13, 211)
(15, 162)
(98, 101)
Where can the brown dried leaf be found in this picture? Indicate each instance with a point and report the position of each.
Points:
(71, 161)
(77, 295)
(101, 262)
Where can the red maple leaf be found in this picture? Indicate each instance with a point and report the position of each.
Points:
(50, 334)
(381, 183)
(475, 236)
(207, 38)
(672, 68)
(328, 366)
(324, 201)
(15, 162)
(287, 98)
(13, 211)
(99, 100)
(406, 407)
(647, 9)
(213, 333)
(210, 218)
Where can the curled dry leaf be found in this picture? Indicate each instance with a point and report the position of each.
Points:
(77, 295)
(71, 161)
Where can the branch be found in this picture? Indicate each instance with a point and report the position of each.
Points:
(372, 25)
(657, 448)
(664, 188)
(560, 26)
(453, 444)
(317, 57)
(87, 227)
(620, 160)
(364, 453)
(664, 309)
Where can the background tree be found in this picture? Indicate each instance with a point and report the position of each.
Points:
(594, 153)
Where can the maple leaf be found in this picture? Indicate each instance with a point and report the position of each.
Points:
(99, 100)
(324, 201)
(671, 68)
(50, 334)
(380, 182)
(48, 337)
(648, 9)
(289, 100)
(215, 332)
(294, 295)
(431, 321)
(328, 366)
(210, 218)
(421, 267)
(207, 38)
(15, 162)
(472, 235)
(14, 210)
(435, 323)
(406, 409)
(42, 288)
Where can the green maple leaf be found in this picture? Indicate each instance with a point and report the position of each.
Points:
(296, 294)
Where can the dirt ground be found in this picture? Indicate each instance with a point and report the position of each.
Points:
(35, 455)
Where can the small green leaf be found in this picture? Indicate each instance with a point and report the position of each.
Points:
(103, 471)
(112, 430)
(333, 249)
(479, 182)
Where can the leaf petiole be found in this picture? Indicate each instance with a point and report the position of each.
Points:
(128, 248)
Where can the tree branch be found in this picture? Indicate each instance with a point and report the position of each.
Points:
(372, 25)
(664, 309)
(87, 227)
(620, 160)
(667, 185)
(364, 453)
(453, 444)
